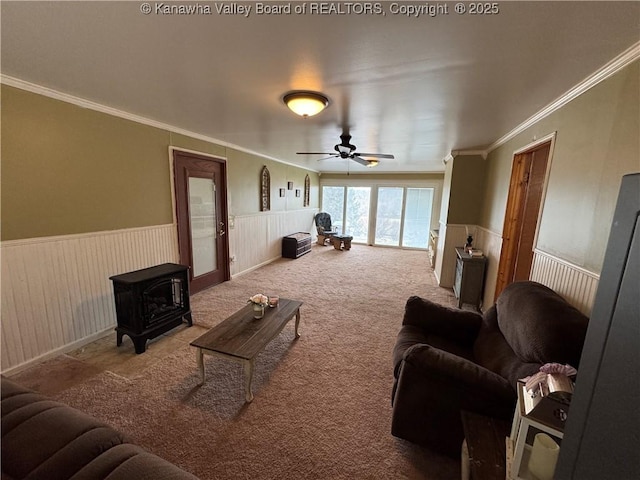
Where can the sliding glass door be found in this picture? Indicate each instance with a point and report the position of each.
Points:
(349, 210)
(333, 204)
(357, 217)
(417, 217)
(401, 215)
(389, 216)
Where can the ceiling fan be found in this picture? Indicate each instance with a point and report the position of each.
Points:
(346, 150)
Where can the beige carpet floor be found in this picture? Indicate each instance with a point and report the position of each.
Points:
(322, 403)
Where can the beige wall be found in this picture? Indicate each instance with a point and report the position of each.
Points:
(467, 187)
(597, 142)
(71, 170)
(68, 170)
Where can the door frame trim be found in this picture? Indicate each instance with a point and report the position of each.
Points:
(172, 178)
(225, 207)
(551, 137)
(535, 144)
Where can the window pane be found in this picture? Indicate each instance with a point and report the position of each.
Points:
(388, 215)
(417, 217)
(202, 210)
(333, 204)
(357, 221)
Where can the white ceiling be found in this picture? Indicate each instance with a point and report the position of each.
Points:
(416, 87)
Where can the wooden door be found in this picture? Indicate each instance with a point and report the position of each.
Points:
(522, 215)
(201, 211)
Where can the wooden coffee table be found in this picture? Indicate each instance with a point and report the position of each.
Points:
(241, 337)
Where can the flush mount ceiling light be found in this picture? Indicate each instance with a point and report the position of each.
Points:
(305, 103)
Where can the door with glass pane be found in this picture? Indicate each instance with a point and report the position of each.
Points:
(201, 210)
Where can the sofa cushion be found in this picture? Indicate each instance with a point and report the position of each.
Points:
(47, 440)
(539, 325)
(66, 440)
(492, 351)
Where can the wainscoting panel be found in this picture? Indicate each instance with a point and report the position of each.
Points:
(56, 291)
(577, 285)
(256, 239)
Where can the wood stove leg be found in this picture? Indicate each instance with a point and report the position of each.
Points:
(248, 377)
(200, 361)
(119, 336)
(140, 344)
(189, 319)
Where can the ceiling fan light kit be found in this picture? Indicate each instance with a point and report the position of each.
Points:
(305, 103)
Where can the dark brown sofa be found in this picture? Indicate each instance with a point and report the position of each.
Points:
(45, 439)
(447, 360)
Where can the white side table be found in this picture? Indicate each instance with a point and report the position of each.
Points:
(523, 431)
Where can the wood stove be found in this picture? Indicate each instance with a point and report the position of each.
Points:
(150, 302)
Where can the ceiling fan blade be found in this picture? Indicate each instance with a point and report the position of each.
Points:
(361, 161)
(374, 155)
(315, 153)
(327, 158)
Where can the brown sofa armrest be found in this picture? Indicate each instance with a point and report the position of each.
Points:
(460, 326)
(433, 387)
(459, 373)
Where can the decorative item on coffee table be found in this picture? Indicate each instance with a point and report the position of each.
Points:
(259, 301)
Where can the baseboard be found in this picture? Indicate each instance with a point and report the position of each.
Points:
(58, 351)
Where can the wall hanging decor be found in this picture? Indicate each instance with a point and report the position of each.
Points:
(282, 192)
(265, 190)
(297, 192)
(307, 187)
(289, 185)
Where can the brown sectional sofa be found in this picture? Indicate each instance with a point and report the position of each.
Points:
(47, 440)
(449, 360)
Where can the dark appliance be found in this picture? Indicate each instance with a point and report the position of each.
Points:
(150, 302)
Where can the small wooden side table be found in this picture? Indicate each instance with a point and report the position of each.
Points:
(485, 438)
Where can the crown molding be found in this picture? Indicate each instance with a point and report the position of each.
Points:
(614, 66)
(457, 153)
(98, 107)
